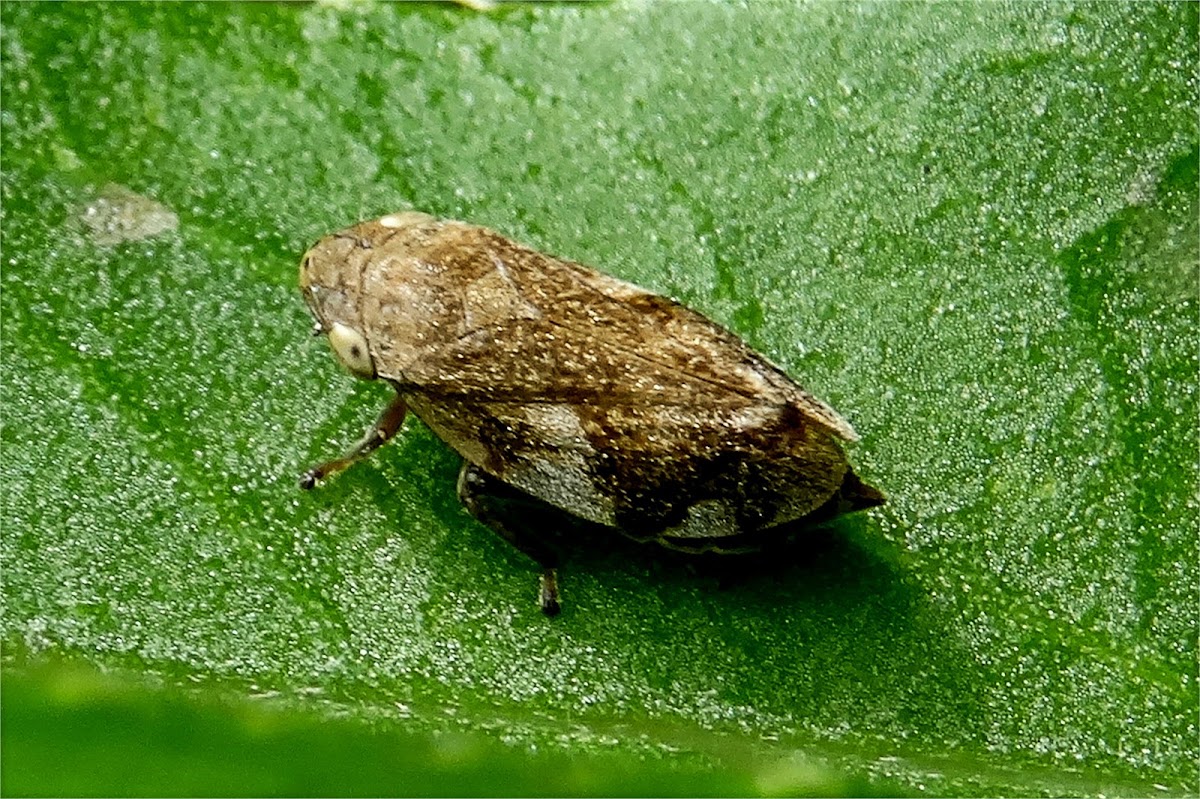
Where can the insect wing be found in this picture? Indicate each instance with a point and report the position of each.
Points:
(619, 405)
(536, 328)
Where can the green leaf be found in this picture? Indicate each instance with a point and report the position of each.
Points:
(971, 228)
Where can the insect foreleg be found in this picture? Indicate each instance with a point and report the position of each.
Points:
(476, 488)
(376, 436)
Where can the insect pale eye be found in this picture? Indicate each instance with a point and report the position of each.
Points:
(351, 349)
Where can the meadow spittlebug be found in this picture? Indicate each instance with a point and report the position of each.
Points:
(565, 388)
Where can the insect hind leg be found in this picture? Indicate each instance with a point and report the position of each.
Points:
(481, 494)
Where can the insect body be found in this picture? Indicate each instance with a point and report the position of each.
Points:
(564, 387)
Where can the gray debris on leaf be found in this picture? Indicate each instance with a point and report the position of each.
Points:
(119, 214)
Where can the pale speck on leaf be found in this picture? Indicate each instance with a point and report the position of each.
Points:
(119, 214)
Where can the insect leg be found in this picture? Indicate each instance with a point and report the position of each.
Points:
(475, 490)
(376, 436)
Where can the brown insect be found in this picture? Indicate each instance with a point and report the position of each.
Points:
(564, 387)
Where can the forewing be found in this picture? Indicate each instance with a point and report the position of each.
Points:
(536, 328)
(614, 403)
